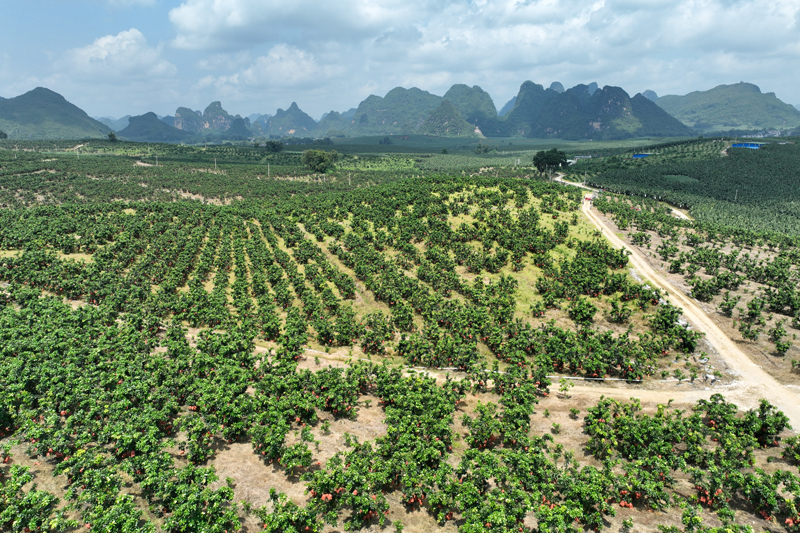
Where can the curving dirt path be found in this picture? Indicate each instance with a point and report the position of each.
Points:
(752, 382)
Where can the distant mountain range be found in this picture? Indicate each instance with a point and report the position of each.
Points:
(741, 106)
(115, 124)
(583, 113)
(579, 113)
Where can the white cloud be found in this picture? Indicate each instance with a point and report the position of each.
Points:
(225, 62)
(332, 55)
(263, 54)
(283, 70)
(285, 66)
(205, 24)
(122, 57)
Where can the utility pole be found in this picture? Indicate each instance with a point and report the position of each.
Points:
(268, 170)
(215, 163)
(736, 196)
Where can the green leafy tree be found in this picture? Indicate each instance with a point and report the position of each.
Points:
(3, 135)
(549, 159)
(286, 516)
(112, 137)
(273, 146)
(319, 160)
(582, 311)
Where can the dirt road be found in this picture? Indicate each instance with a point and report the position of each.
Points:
(752, 382)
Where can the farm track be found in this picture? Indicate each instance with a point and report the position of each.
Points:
(752, 383)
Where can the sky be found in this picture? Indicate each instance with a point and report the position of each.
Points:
(128, 57)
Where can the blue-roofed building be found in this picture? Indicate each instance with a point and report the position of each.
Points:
(640, 156)
(753, 146)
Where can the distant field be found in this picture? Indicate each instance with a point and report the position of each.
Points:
(751, 189)
(429, 144)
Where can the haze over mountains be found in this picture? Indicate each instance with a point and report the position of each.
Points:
(582, 112)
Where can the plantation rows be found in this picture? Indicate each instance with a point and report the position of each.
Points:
(717, 263)
(34, 175)
(115, 408)
(232, 266)
(110, 393)
(750, 189)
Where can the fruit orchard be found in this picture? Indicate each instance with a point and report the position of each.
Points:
(492, 278)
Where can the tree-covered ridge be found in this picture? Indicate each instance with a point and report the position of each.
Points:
(608, 113)
(739, 106)
(215, 118)
(446, 121)
(149, 127)
(474, 104)
(43, 114)
(187, 120)
(293, 121)
(400, 111)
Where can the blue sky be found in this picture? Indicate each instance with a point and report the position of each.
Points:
(119, 57)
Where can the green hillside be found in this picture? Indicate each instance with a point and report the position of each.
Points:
(44, 114)
(655, 121)
(528, 105)
(446, 121)
(474, 104)
(238, 129)
(738, 106)
(401, 111)
(217, 119)
(188, 121)
(149, 128)
(293, 121)
(581, 113)
(334, 124)
(508, 106)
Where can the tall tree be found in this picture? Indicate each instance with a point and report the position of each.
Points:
(319, 160)
(549, 159)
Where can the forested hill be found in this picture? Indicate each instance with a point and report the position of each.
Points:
(583, 112)
(44, 114)
(738, 106)
(149, 127)
(578, 113)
